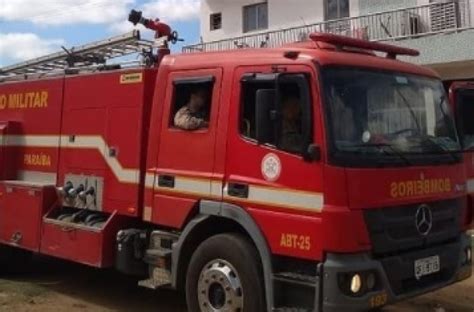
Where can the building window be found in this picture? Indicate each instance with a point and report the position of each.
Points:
(336, 9)
(216, 21)
(255, 17)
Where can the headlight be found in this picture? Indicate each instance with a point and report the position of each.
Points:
(356, 283)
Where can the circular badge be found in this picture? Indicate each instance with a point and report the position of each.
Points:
(271, 167)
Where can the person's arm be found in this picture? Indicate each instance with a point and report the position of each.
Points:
(184, 120)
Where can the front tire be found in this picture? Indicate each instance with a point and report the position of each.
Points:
(225, 274)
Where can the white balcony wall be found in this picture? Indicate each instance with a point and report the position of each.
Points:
(376, 6)
(281, 14)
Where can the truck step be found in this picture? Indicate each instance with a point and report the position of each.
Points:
(153, 256)
(158, 257)
(160, 278)
(296, 278)
(291, 309)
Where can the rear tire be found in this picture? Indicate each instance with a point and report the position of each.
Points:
(225, 274)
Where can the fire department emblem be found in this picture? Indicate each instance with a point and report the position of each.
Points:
(271, 167)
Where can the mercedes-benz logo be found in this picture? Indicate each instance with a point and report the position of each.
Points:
(424, 220)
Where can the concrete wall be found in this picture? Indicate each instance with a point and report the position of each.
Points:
(284, 13)
(375, 6)
(281, 14)
(451, 54)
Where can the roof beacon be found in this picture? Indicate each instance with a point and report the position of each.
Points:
(342, 41)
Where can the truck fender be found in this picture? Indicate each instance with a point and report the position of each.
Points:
(209, 209)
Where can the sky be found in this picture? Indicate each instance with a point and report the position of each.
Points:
(33, 28)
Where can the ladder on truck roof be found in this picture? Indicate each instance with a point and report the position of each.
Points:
(96, 53)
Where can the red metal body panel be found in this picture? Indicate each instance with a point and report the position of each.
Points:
(33, 108)
(184, 156)
(114, 121)
(22, 207)
(83, 245)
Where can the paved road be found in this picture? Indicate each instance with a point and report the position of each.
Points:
(58, 286)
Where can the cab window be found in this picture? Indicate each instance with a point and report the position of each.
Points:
(192, 103)
(285, 123)
(465, 111)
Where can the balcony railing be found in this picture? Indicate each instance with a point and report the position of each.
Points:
(413, 22)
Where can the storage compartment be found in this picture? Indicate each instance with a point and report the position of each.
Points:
(83, 236)
(22, 207)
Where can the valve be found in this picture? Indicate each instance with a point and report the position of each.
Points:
(73, 192)
(64, 190)
(89, 192)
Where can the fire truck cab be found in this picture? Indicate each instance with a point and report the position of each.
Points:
(322, 176)
(461, 96)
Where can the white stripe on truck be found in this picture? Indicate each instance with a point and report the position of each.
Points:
(201, 187)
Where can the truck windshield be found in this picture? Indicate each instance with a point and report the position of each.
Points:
(388, 117)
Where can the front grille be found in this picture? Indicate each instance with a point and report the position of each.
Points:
(393, 230)
(400, 268)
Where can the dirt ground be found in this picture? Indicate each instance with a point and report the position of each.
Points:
(59, 286)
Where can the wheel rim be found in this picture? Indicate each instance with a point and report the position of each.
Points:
(219, 288)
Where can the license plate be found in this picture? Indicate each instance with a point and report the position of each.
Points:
(427, 266)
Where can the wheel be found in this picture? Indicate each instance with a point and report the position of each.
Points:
(14, 260)
(225, 274)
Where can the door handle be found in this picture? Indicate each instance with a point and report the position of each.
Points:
(238, 190)
(166, 181)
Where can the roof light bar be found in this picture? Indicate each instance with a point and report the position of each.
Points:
(343, 41)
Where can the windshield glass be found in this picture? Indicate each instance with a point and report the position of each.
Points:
(387, 113)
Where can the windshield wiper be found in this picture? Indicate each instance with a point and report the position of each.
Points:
(447, 117)
(439, 147)
(381, 146)
(410, 108)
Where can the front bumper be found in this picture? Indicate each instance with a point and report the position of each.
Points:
(395, 276)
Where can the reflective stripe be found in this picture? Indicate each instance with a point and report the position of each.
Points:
(149, 180)
(147, 214)
(47, 178)
(124, 175)
(292, 199)
(193, 186)
(32, 140)
(470, 186)
(216, 188)
(285, 198)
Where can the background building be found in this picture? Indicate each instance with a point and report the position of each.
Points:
(443, 30)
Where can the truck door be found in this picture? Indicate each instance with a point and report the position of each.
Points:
(270, 169)
(185, 171)
(462, 98)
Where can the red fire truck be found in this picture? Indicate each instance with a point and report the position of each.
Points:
(325, 177)
(461, 95)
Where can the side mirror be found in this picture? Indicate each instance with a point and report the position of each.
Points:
(265, 115)
(312, 153)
